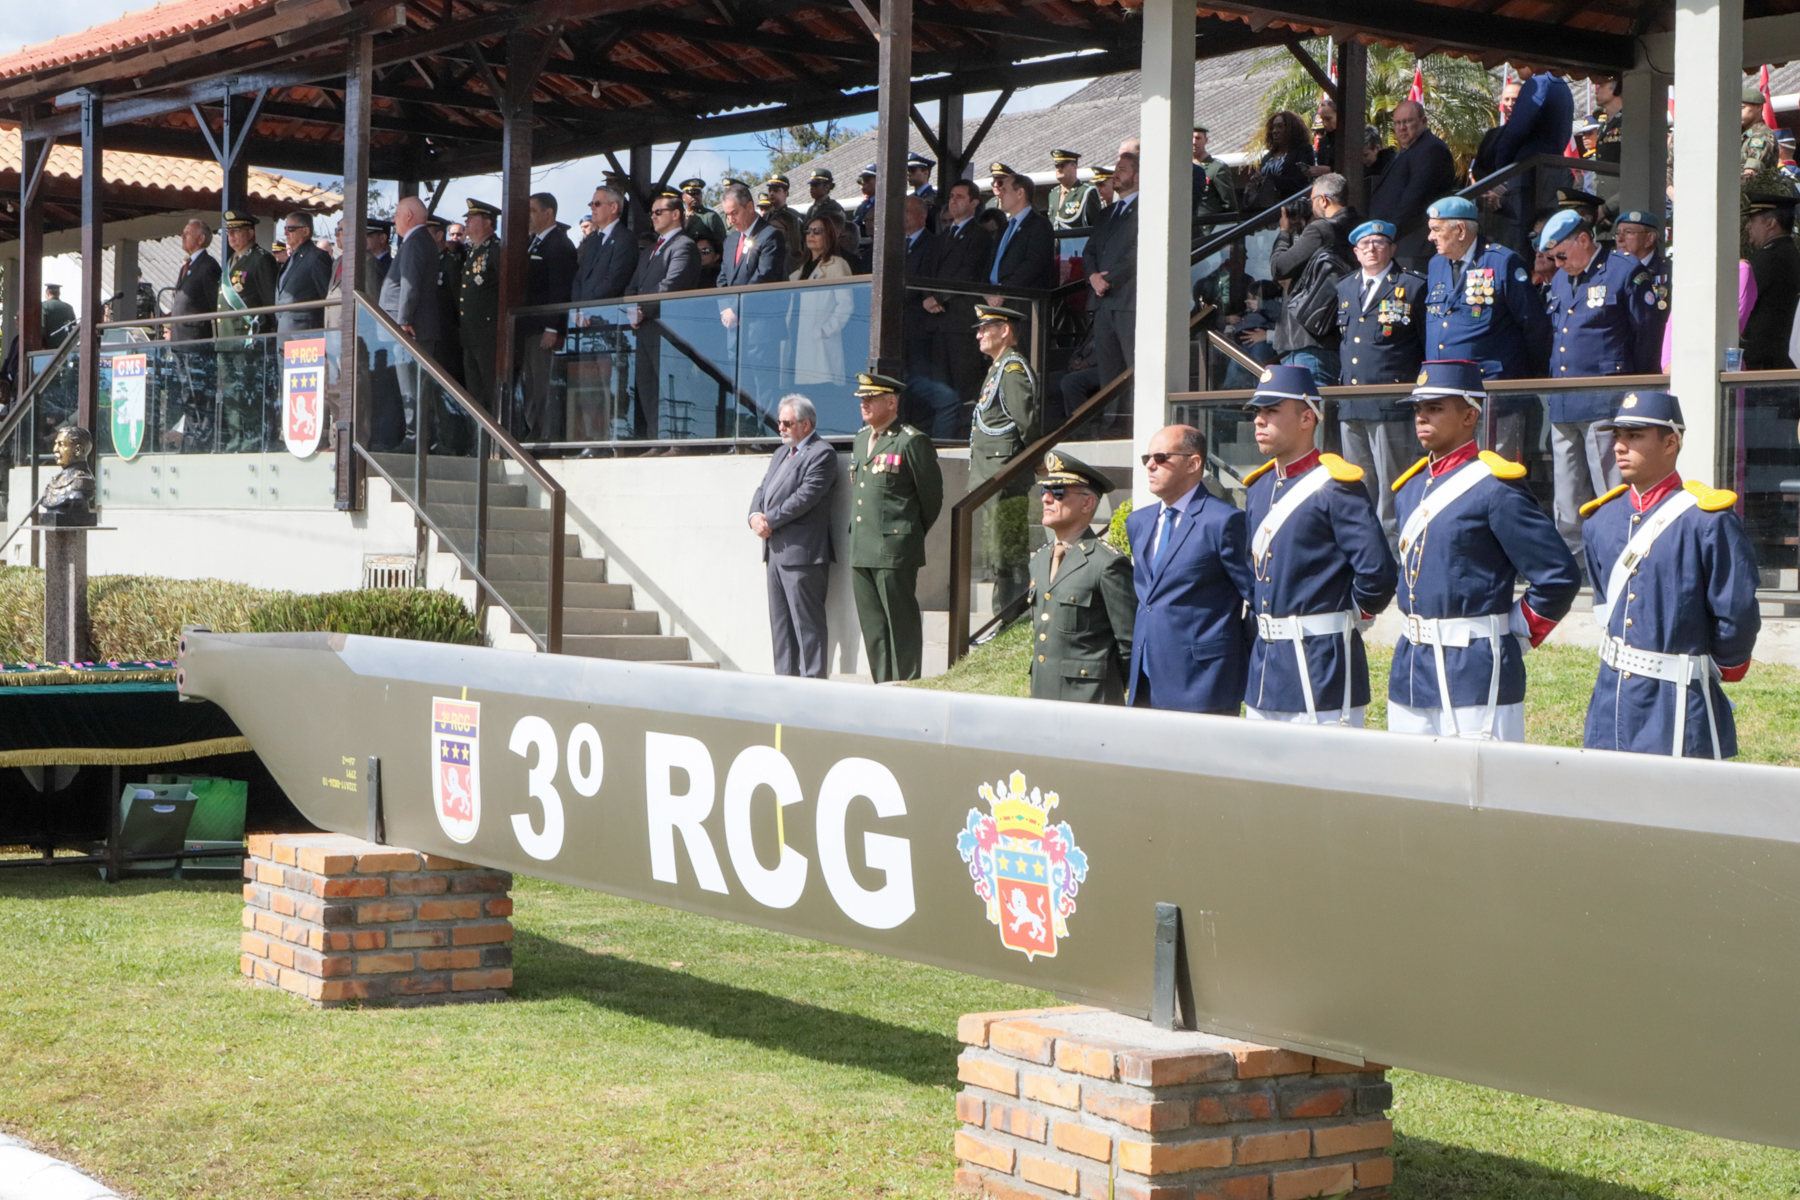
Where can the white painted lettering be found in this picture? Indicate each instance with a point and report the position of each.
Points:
(586, 735)
(762, 766)
(539, 782)
(664, 753)
(892, 903)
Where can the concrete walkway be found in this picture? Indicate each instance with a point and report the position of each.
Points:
(27, 1175)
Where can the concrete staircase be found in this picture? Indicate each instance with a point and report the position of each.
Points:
(600, 619)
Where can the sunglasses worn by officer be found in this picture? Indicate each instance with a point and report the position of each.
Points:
(1056, 491)
(1163, 458)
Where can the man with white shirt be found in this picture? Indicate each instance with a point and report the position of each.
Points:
(1112, 252)
(1381, 323)
(791, 513)
(1191, 571)
(605, 263)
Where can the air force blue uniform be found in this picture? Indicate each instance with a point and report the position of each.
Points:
(1383, 342)
(1188, 649)
(1603, 322)
(1692, 593)
(1486, 312)
(1329, 557)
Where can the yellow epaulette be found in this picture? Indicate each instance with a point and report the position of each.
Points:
(1015, 365)
(1711, 499)
(1253, 476)
(1501, 467)
(1409, 473)
(1340, 470)
(1593, 506)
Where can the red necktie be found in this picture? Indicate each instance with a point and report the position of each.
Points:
(743, 240)
(659, 246)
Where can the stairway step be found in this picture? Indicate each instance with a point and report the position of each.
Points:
(456, 491)
(535, 568)
(509, 541)
(459, 516)
(598, 620)
(630, 647)
(524, 595)
(440, 466)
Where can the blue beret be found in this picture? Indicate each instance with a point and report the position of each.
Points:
(1449, 377)
(1637, 216)
(1558, 227)
(1384, 228)
(1453, 208)
(1640, 409)
(1280, 383)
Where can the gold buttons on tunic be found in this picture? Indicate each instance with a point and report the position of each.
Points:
(1040, 658)
(1044, 637)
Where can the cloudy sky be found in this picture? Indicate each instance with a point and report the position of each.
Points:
(572, 183)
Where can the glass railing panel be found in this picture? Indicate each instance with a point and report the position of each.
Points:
(1760, 461)
(1006, 531)
(806, 340)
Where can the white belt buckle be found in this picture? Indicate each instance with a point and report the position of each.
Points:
(1415, 626)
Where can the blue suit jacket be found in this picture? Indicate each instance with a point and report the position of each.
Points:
(1694, 594)
(1188, 638)
(1602, 322)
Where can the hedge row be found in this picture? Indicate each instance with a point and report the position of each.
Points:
(139, 617)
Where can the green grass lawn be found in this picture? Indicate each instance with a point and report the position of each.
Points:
(648, 1052)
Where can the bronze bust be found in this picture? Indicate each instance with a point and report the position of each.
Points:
(69, 499)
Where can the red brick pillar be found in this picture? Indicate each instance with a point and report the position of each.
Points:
(337, 919)
(1084, 1102)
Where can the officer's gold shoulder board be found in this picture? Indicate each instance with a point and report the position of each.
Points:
(1253, 476)
(1711, 499)
(1015, 365)
(1340, 470)
(1409, 473)
(1501, 467)
(1593, 506)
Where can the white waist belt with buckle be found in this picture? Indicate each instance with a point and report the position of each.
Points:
(1297, 630)
(1678, 669)
(1438, 632)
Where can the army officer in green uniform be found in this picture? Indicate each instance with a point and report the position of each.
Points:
(1082, 600)
(248, 370)
(478, 301)
(1073, 204)
(1006, 421)
(896, 492)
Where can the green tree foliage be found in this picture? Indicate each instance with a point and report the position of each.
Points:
(1460, 96)
(792, 145)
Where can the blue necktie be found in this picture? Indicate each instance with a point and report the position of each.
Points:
(994, 275)
(1165, 530)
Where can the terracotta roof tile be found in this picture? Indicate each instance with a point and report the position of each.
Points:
(153, 172)
(170, 19)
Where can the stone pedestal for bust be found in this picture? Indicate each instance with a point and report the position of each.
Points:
(68, 634)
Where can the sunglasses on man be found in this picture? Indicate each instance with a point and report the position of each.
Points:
(1057, 491)
(1162, 458)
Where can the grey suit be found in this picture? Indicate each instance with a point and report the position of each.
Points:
(305, 276)
(1114, 250)
(795, 498)
(605, 265)
(409, 294)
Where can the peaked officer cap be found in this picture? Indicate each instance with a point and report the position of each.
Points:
(869, 384)
(777, 181)
(1372, 228)
(915, 159)
(437, 222)
(867, 172)
(1453, 208)
(1641, 410)
(242, 220)
(732, 181)
(1768, 202)
(1103, 171)
(986, 314)
(821, 175)
(1062, 469)
(1449, 377)
(481, 208)
(1559, 226)
(998, 169)
(693, 185)
(1570, 198)
(1280, 383)
(1064, 156)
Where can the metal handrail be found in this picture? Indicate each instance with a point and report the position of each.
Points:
(1584, 383)
(1597, 166)
(551, 642)
(1237, 231)
(27, 400)
(196, 318)
(958, 286)
(962, 513)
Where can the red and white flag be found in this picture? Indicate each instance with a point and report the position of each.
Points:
(1768, 111)
(1416, 93)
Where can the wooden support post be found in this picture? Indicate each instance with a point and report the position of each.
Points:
(354, 406)
(1353, 115)
(525, 50)
(237, 167)
(124, 279)
(93, 242)
(950, 135)
(637, 204)
(888, 289)
(31, 248)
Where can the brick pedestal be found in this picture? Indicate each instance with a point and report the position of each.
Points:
(1083, 1102)
(337, 919)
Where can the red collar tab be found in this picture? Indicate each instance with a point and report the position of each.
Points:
(1463, 454)
(1299, 466)
(1644, 502)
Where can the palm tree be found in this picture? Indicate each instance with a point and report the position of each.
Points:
(1459, 94)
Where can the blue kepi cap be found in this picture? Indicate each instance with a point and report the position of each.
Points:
(1280, 383)
(1383, 228)
(1640, 410)
(1453, 208)
(1558, 227)
(1450, 377)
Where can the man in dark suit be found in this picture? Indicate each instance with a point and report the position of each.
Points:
(605, 262)
(609, 257)
(1025, 256)
(306, 275)
(1191, 570)
(1113, 255)
(376, 233)
(791, 512)
(409, 294)
(923, 390)
(669, 264)
(1423, 170)
(754, 253)
(960, 255)
(196, 291)
(549, 276)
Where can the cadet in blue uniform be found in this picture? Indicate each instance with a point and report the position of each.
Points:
(1321, 562)
(1468, 532)
(1381, 320)
(1602, 316)
(1479, 301)
(1674, 591)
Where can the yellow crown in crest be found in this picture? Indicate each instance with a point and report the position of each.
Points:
(1018, 813)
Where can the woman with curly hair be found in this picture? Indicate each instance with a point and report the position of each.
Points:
(1286, 163)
